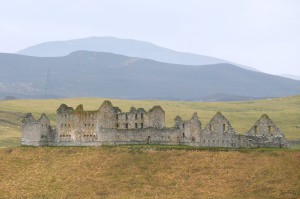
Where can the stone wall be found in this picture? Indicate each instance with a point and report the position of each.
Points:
(110, 126)
(268, 133)
(134, 119)
(190, 129)
(36, 132)
(219, 133)
(76, 125)
(156, 117)
(107, 115)
(140, 136)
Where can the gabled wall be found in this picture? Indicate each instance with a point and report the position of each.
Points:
(268, 133)
(219, 133)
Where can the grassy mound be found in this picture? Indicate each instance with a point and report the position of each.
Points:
(145, 172)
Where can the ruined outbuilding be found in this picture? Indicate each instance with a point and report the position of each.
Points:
(110, 126)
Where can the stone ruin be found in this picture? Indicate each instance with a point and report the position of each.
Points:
(110, 126)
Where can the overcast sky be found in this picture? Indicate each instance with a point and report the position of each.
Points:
(264, 34)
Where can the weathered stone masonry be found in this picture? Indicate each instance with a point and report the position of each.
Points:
(110, 126)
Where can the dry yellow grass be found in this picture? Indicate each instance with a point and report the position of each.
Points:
(118, 172)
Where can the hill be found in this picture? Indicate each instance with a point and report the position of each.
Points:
(127, 47)
(96, 74)
(295, 77)
(285, 112)
(121, 172)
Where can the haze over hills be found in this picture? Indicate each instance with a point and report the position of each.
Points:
(295, 77)
(127, 47)
(98, 74)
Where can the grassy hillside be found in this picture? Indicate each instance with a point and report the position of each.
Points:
(285, 112)
(119, 172)
(86, 73)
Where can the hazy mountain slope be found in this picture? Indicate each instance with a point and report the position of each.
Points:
(85, 73)
(128, 47)
(295, 77)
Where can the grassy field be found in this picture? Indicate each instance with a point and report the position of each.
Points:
(151, 171)
(134, 172)
(285, 112)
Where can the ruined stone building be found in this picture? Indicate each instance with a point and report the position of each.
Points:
(110, 126)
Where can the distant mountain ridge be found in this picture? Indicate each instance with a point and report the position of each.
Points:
(127, 47)
(99, 74)
(295, 77)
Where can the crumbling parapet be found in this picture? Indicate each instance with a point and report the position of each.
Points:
(156, 117)
(134, 119)
(36, 132)
(190, 129)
